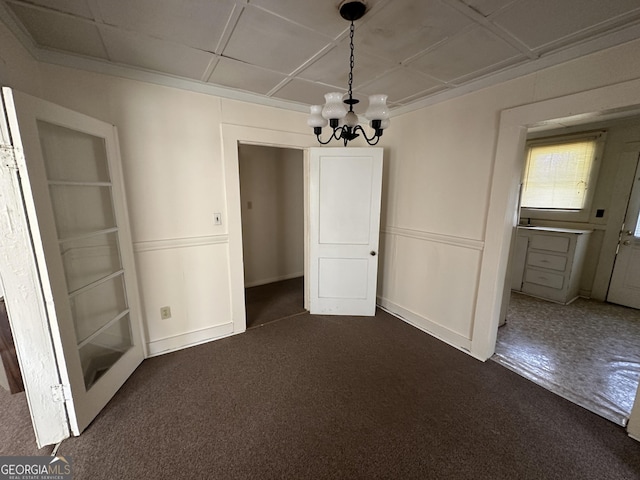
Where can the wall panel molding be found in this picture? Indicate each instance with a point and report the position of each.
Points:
(435, 237)
(184, 242)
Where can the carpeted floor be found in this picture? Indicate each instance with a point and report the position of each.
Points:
(273, 301)
(16, 431)
(588, 351)
(313, 397)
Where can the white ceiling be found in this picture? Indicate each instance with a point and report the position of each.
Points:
(297, 50)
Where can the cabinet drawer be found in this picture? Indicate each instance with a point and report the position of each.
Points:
(546, 279)
(550, 242)
(554, 262)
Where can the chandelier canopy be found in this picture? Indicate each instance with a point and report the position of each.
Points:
(334, 112)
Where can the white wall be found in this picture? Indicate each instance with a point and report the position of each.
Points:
(18, 69)
(439, 173)
(271, 191)
(171, 149)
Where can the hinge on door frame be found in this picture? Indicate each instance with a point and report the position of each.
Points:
(61, 393)
(8, 156)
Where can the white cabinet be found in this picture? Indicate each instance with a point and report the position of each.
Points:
(552, 266)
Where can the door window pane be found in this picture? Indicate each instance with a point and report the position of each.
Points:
(72, 156)
(94, 308)
(97, 356)
(79, 210)
(90, 259)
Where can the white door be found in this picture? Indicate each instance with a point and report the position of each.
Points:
(67, 170)
(344, 205)
(624, 288)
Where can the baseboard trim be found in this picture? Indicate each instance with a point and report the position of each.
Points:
(189, 339)
(428, 326)
(265, 281)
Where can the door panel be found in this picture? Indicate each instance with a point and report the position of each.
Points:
(624, 288)
(344, 203)
(74, 198)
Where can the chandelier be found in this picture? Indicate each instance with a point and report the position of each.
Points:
(345, 123)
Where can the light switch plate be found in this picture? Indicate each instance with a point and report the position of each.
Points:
(217, 219)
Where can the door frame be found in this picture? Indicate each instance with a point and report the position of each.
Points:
(633, 149)
(232, 136)
(587, 106)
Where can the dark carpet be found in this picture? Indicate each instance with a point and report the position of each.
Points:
(312, 397)
(16, 430)
(274, 301)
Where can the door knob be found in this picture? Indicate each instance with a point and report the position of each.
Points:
(372, 253)
(626, 242)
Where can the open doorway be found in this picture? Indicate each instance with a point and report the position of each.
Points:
(272, 209)
(586, 350)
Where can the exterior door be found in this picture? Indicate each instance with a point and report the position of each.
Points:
(344, 205)
(66, 168)
(624, 288)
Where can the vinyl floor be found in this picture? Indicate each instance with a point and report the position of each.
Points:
(587, 352)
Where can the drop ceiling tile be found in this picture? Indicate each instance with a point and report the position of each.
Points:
(474, 51)
(305, 92)
(263, 39)
(399, 84)
(61, 32)
(403, 28)
(195, 23)
(333, 68)
(321, 16)
(149, 53)
(487, 7)
(234, 74)
(73, 7)
(538, 23)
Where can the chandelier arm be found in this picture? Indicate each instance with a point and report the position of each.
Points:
(324, 143)
(370, 141)
(338, 133)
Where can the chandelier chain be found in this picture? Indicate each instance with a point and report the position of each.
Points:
(351, 62)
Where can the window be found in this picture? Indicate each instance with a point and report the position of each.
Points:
(558, 173)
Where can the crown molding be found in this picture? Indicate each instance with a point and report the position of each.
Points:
(587, 47)
(593, 45)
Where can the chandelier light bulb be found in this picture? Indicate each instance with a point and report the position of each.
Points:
(351, 119)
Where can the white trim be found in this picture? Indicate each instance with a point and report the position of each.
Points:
(507, 170)
(426, 325)
(189, 339)
(163, 79)
(280, 278)
(184, 242)
(436, 237)
(232, 135)
(619, 37)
